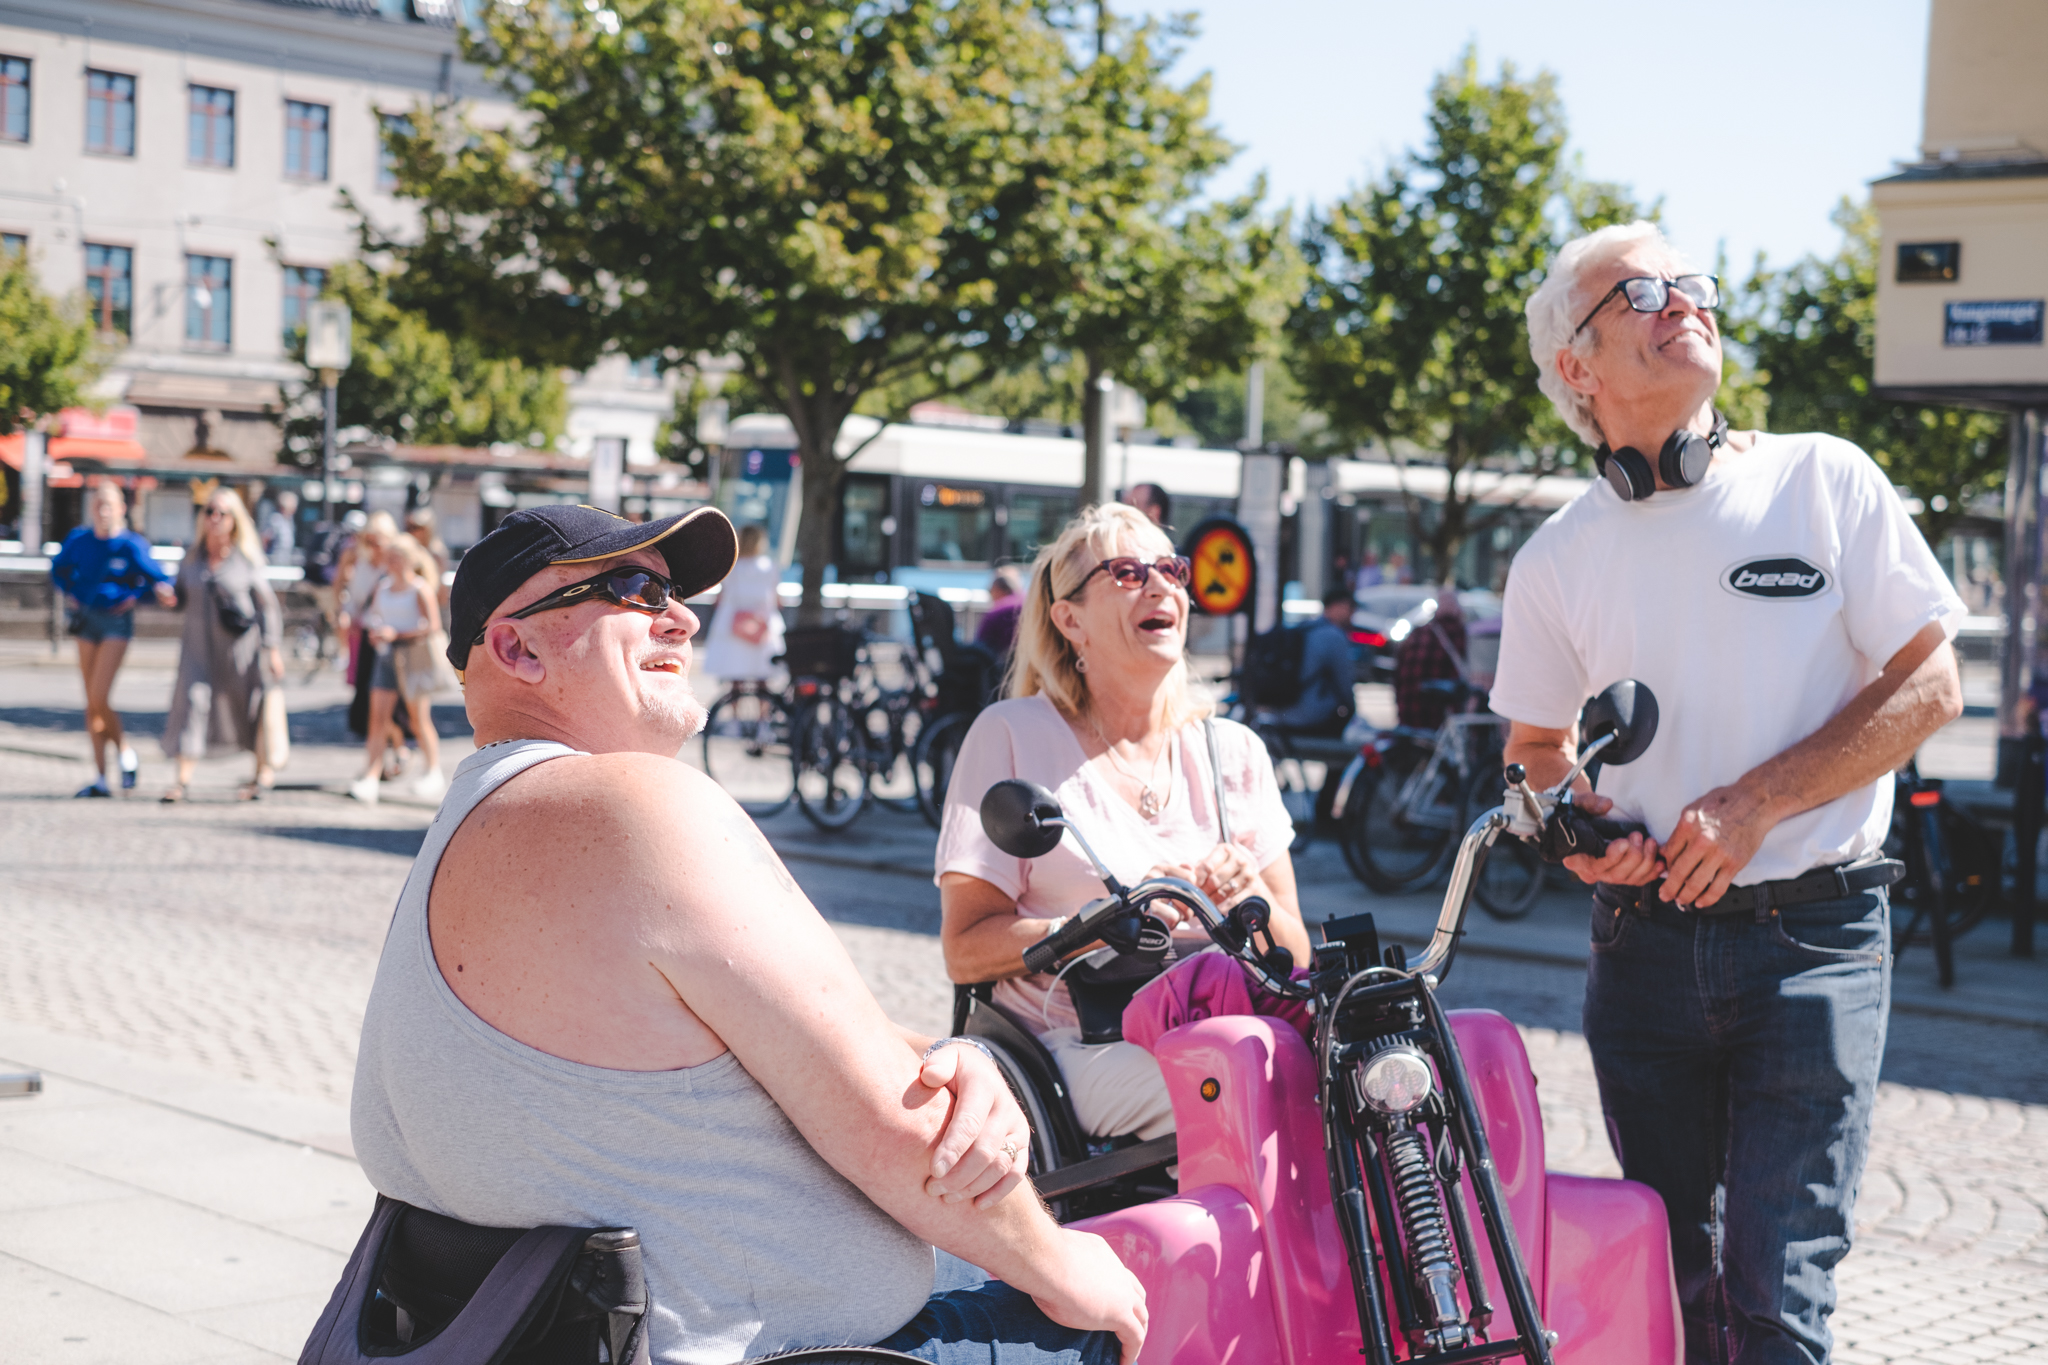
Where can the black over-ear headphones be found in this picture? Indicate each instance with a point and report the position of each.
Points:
(1682, 462)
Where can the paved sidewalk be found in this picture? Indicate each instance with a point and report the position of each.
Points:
(191, 979)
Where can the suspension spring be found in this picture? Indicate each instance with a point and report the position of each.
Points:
(1431, 1253)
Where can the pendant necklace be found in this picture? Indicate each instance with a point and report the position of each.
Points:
(1150, 803)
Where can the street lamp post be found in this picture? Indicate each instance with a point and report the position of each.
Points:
(328, 351)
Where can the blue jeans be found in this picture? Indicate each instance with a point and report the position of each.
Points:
(1738, 1066)
(993, 1324)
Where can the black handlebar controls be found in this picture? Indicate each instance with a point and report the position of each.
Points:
(1569, 830)
(1077, 932)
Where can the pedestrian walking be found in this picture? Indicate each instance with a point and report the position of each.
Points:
(403, 622)
(228, 657)
(746, 631)
(103, 569)
(1772, 592)
(280, 529)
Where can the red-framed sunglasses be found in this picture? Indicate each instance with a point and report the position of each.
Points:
(1131, 572)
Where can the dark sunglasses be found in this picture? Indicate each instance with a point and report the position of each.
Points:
(1131, 572)
(1649, 294)
(635, 589)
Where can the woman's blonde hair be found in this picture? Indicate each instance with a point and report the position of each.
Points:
(1043, 659)
(753, 540)
(417, 557)
(244, 538)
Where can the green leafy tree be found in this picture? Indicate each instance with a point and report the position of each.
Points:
(49, 356)
(1811, 329)
(839, 198)
(1411, 329)
(409, 382)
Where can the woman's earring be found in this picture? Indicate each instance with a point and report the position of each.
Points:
(1080, 664)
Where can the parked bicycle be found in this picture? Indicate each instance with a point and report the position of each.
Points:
(965, 678)
(827, 737)
(746, 748)
(1952, 869)
(1410, 793)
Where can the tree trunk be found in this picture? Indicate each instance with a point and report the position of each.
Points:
(823, 474)
(1095, 487)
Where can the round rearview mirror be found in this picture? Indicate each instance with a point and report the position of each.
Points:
(1014, 816)
(1628, 711)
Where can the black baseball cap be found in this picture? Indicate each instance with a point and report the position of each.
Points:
(699, 545)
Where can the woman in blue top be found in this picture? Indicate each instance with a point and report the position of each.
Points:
(103, 570)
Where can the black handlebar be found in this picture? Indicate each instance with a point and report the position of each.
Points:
(1077, 932)
(1569, 831)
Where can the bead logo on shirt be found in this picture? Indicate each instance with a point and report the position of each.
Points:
(1784, 576)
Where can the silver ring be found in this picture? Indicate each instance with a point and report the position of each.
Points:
(1009, 1151)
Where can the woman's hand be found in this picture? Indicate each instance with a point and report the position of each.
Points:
(381, 636)
(1226, 876)
(275, 660)
(166, 595)
(1173, 914)
(970, 1161)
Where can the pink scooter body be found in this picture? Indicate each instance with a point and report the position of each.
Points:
(1246, 1264)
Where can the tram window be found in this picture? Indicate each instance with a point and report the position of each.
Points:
(1036, 518)
(954, 525)
(864, 545)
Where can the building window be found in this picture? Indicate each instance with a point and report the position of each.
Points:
(109, 113)
(390, 126)
(212, 120)
(13, 99)
(110, 283)
(302, 285)
(209, 302)
(13, 243)
(305, 140)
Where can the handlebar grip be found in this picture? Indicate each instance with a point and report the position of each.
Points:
(1045, 954)
(1570, 831)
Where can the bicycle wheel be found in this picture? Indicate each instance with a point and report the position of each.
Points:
(894, 726)
(932, 765)
(1512, 881)
(831, 762)
(1402, 822)
(746, 751)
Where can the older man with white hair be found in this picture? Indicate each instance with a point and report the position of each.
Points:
(1795, 628)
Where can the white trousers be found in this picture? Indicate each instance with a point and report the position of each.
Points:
(1116, 1088)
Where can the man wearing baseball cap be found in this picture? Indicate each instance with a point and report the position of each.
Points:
(604, 1001)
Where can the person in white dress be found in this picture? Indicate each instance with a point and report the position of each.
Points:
(746, 632)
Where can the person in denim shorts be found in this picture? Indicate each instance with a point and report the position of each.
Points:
(103, 569)
(1773, 593)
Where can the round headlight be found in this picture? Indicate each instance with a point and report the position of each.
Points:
(1396, 1080)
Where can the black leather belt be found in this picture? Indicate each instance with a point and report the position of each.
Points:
(1821, 884)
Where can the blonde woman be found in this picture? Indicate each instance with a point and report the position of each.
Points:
(400, 619)
(1100, 713)
(228, 656)
(745, 633)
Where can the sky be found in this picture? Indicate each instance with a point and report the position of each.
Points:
(1751, 118)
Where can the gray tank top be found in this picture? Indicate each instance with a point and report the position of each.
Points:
(753, 1243)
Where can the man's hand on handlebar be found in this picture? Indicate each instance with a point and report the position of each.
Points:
(969, 1162)
(1627, 862)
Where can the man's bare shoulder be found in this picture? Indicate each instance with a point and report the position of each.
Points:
(648, 828)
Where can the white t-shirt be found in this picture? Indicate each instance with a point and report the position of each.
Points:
(1755, 606)
(1027, 737)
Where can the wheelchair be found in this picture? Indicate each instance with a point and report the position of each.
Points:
(1077, 1176)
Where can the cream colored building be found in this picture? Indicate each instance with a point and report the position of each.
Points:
(183, 162)
(1963, 278)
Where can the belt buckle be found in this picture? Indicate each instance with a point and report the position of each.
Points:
(1842, 888)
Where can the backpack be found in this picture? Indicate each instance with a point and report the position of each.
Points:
(1272, 666)
(322, 551)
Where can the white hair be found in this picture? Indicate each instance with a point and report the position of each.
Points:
(1558, 306)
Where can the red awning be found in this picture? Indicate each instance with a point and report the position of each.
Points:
(86, 435)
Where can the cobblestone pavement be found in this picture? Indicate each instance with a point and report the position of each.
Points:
(241, 939)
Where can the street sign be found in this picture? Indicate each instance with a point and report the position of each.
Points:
(327, 335)
(1225, 572)
(2002, 322)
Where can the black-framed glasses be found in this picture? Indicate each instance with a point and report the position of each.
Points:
(1131, 572)
(1649, 294)
(634, 589)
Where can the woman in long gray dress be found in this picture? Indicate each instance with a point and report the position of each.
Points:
(228, 657)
